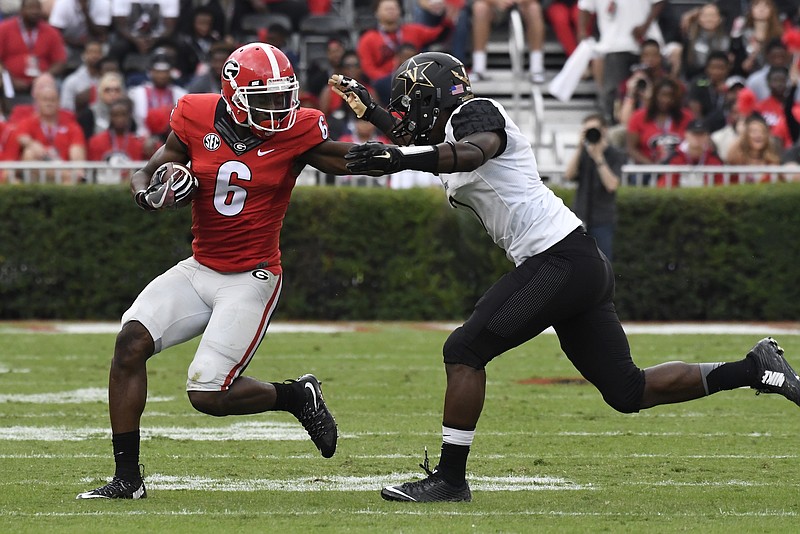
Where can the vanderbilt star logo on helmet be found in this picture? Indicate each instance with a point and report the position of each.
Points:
(415, 75)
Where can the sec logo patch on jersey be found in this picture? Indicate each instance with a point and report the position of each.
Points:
(211, 141)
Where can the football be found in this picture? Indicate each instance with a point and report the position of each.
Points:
(182, 182)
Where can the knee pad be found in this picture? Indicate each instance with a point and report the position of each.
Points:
(202, 375)
(457, 350)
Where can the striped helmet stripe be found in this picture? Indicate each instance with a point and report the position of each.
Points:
(273, 61)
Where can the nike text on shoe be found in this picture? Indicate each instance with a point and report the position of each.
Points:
(315, 417)
(433, 488)
(774, 374)
(117, 489)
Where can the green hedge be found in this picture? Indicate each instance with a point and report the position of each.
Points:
(349, 253)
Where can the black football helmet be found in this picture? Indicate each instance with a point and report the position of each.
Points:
(423, 87)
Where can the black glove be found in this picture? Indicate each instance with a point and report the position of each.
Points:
(355, 94)
(373, 156)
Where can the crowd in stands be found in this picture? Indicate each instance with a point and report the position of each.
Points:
(96, 79)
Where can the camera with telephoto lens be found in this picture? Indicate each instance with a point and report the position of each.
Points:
(592, 135)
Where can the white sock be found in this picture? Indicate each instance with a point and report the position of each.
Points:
(536, 59)
(454, 436)
(479, 61)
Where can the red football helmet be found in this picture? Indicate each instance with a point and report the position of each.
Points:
(260, 89)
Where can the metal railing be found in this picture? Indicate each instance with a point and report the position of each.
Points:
(94, 172)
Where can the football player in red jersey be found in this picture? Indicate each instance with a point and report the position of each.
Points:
(246, 148)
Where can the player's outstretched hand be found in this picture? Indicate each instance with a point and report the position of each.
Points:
(354, 93)
(373, 157)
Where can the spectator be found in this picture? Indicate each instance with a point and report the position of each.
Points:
(456, 13)
(30, 46)
(634, 92)
(138, 25)
(790, 159)
(296, 10)
(84, 77)
(696, 149)
(704, 35)
(776, 55)
(49, 136)
(726, 136)
(21, 112)
(278, 35)
(377, 48)
(618, 45)
(226, 14)
(655, 131)
(772, 107)
(563, 17)
(339, 115)
(209, 80)
(118, 143)
(708, 90)
(597, 168)
(155, 98)
(196, 43)
(753, 147)
(483, 13)
(752, 33)
(97, 116)
(81, 21)
(383, 87)
(320, 71)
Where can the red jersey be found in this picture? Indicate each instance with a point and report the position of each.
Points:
(18, 45)
(245, 183)
(104, 146)
(59, 138)
(656, 141)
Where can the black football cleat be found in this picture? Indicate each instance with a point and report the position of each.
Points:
(774, 374)
(118, 489)
(315, 416)
(433, 488)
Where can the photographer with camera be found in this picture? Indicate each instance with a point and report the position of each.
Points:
(596, 167)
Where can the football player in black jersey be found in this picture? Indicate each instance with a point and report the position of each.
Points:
(560, 279)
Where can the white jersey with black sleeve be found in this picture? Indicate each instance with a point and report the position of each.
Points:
(521, 214)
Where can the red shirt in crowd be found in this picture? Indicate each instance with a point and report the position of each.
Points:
(105, 145)
(680, 157)
(376, 48)
(66, 133)
(658, 141)
(18, 45)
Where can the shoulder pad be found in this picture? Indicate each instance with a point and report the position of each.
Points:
(477, 116)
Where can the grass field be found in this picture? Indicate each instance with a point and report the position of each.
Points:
(549, 456)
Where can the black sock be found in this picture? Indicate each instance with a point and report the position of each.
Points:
(453, 463)
(126, 455)
(288, 397)
(732, 375)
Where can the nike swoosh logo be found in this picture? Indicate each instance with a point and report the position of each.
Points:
(314, 393)
(385, 155)
(265, 152)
